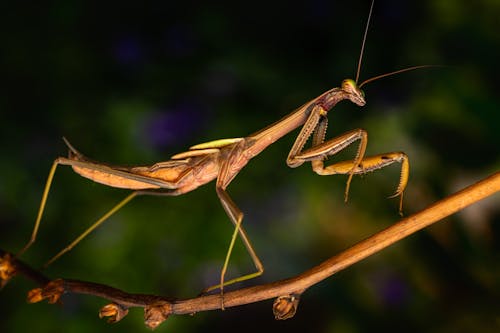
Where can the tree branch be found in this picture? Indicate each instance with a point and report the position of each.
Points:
(287, 291)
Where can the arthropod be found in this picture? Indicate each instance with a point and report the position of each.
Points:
(221, 160)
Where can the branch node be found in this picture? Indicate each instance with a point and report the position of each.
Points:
(156, 313)
(114, 311)
(285, 307)
(7, 269)
(157, 308)
(52, 291)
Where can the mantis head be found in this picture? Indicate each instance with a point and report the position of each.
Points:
(353, 92)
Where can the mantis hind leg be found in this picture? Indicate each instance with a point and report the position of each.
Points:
(46, 190)
(92, 228)
(34, 233)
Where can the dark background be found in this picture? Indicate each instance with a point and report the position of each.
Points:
(134, 84)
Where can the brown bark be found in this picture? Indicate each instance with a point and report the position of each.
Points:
(287, 292)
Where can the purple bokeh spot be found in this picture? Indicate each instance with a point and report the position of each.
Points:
(179, 41)
(392, 290)
(128, 51)
(173, 126)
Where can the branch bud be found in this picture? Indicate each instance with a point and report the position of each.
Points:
(52, 292)
(34, 295)
(115, 312)
(156, 313)
(7, 269)
(284, 307)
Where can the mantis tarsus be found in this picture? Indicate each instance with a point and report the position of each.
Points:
(221, 160)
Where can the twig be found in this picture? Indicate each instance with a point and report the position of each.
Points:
(9, 266)
(287, 291)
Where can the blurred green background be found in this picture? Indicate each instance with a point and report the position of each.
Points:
(136, 83)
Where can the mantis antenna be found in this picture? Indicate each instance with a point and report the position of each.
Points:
(396, 72)
(221, 160)
(382, 75)
(364, 41)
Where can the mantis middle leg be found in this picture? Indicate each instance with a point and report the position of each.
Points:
(236, 216)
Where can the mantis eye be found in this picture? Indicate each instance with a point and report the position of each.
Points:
(348, 84)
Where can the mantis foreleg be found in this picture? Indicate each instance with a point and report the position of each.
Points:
(316, 125)
(369, 164)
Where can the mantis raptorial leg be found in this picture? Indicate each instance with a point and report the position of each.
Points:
(221, 160)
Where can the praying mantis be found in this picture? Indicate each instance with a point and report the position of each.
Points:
(221, 160)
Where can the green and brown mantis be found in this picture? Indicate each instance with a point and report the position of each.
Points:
(221, 160)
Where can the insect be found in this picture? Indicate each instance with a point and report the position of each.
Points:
(221, 160)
